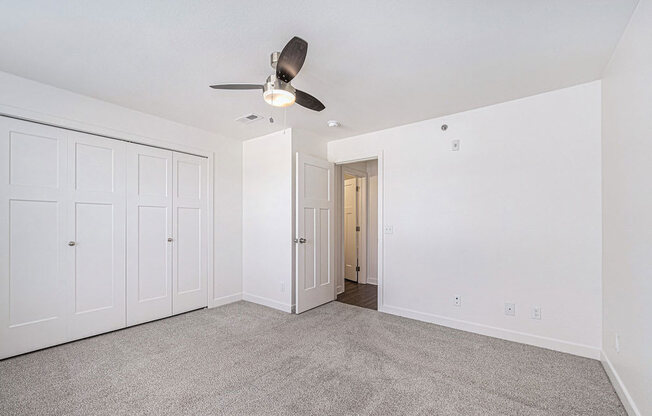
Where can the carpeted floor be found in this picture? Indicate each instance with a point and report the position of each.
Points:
(245, 359)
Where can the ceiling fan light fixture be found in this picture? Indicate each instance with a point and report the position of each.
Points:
(278, 97)
(278, 93)
(277, 90)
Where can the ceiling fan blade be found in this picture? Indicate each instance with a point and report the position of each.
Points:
(306, 100)
(291, 59)
(237, 87)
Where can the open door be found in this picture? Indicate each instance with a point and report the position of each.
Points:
(314, 233)
(351, 228)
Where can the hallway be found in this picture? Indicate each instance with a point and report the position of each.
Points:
(364, 296)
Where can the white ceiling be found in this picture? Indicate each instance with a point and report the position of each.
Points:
(374, 64)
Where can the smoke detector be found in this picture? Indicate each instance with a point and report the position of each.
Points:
(333, 123)
(248, 118)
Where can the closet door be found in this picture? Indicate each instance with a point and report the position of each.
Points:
(33, 247)
(190, 255)
(96, 224)
(149, 233)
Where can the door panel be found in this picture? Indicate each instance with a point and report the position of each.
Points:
(315, 256)
(94, 257)
(97, 217)
(33, 229)
(33, 250)
(190, 202)
(350, 234)
(309, 249)
(149, 225)
(189, 252)
(324, 226)
(153, 253)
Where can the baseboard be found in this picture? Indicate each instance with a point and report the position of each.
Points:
(372, 280)
(271, 303)
(339, 290)
(495, 332)
(619, 386)
(224, 300)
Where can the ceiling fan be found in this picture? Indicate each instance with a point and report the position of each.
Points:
(277, 90)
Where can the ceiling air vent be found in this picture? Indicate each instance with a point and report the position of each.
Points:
(249, 118)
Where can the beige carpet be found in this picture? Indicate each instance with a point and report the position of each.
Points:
(245, 359)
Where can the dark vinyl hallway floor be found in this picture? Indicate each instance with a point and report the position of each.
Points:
(365, 296)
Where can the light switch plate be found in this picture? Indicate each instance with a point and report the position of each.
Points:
(536, 313)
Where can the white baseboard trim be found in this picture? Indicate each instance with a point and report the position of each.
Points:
(271, 303)
(225, 300)
(372, 280)
(619, 386)
(339, 290)
(491, 331)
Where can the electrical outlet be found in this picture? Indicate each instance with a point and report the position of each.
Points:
(536, 312)
(389, 229)
(510, 309)
(457, 300)
(455, 145)
(617, 343)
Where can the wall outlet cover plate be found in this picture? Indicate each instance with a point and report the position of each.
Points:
(510, 309)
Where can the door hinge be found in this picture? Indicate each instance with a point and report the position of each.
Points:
(357, 268)
(357, 189)
(357, 228)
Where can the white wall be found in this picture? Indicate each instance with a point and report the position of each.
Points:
(24, 98)
(267, 263)
(627, 213)
(514, 216)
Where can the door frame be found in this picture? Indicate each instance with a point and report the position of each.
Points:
(364, 157)
(95, 130)
(362, 210)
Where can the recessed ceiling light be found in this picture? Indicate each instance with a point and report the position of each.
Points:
(333, 123)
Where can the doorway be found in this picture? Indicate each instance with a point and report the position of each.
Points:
(357, 233)
(352, 228)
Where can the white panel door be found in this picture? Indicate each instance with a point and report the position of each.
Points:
(33, 247)
(96, 224)
(149, 233)
(314, 240)
(350, 233)
(190, 245)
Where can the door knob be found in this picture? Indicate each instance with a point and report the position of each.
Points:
(71, 243)
(300, 240)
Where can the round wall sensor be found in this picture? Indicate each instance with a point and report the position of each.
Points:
(333, 123)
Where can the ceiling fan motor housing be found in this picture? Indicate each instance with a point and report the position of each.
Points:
(274, 83)
(273, 59)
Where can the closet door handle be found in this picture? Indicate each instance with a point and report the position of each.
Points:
(170, 239)
(72, 243)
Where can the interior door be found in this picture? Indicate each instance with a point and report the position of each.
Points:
(314, 228)
(149, 233)
(350, 233)
(96, 233)
(34, 254)
(190, 245)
